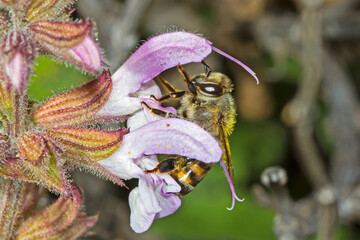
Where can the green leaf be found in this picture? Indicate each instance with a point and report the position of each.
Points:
(53, 78)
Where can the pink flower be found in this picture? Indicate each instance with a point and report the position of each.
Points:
(132, 85)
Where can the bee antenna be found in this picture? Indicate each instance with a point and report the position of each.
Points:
(190, 85)
(207, 68)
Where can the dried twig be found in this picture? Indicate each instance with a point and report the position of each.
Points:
(344, 118)
(306, 96)
(294, 220)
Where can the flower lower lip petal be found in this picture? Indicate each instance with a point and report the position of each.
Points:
(171, 136)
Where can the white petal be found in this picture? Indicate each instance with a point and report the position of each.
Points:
(169, 204)
(148, 89)
(122, 167)
(147, 194)
(120, 105)
(140, 219)
(137, 120)
(147, 162)
(170, 185)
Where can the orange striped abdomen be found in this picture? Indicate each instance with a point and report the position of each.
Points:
(186, 172)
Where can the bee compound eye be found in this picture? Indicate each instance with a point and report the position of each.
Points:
(211, 89)
(192, 88)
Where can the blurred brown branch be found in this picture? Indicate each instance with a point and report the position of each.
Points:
(334, 192)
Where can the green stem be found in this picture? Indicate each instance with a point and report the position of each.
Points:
(10, 195)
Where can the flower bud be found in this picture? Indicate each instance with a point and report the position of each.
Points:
(17, 53)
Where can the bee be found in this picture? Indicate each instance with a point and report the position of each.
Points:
(208, 103)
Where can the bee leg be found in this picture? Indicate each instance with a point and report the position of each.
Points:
(168, 96)
(159, 112)
(226, 145)
(166, 85)
(207, 68)
(156, 169)
(173, 92)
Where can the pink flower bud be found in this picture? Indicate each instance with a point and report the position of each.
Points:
(17, 57)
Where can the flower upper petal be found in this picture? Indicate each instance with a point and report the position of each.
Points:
(171, 136)
(160, 53)
(153, 57)
(85, 54)
(124, 104)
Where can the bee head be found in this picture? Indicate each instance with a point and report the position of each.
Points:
(210, 85)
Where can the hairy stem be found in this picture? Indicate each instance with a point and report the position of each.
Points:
(10, 195)
(23, 111)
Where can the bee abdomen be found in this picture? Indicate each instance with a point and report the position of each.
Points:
(190, 175)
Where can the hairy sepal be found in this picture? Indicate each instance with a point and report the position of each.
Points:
(69, 41)
(76, 106)
(6, 103)
(49, 174)
(40, 9)
(86, 143)
(62, 218)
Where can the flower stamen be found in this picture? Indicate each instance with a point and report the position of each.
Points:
(231, 185)
(236, 61)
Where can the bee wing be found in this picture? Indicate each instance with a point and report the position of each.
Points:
(226, 156)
